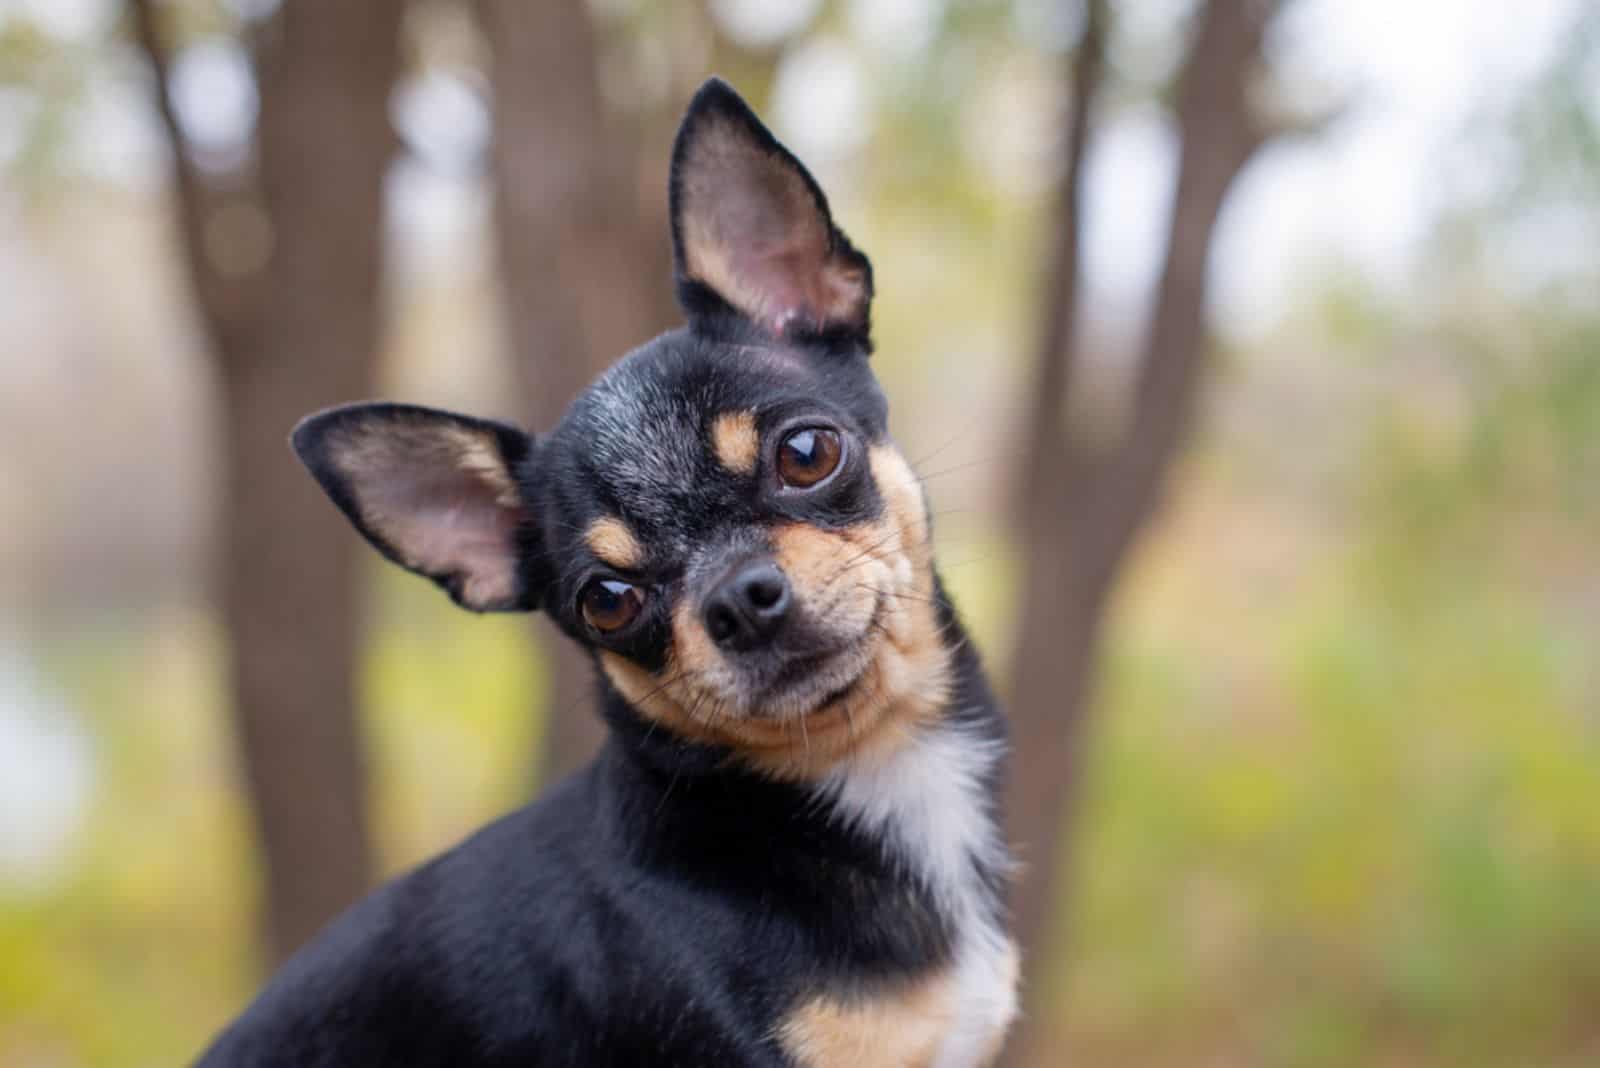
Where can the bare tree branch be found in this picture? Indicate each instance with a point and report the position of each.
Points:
(224, 300)
(1057, 351)
(1219, 132)
(286, 269)
(584, 267)
(1088, 512)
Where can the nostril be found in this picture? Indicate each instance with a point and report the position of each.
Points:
(766, 592)
(748, 608)
(721, 622)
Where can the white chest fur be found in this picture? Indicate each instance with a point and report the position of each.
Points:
(928, 803)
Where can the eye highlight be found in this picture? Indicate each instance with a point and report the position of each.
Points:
(608, 605)
(806, 457)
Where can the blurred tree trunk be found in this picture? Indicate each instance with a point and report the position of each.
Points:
(285, 262)
(584, 259)
(1083, 505)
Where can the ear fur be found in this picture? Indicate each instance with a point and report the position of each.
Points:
(435, 492)
(751, 230)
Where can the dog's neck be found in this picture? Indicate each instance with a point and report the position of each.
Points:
(895, 860)
(928, 802)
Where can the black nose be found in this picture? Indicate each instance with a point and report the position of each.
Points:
(747, 608)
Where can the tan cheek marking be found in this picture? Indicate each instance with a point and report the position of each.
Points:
(811, 558)
(908, 681)
(631, 680)
(612, 541)
(901, 1027)
(646, 693)
(737, 445)
(693, 649)
(903, 495)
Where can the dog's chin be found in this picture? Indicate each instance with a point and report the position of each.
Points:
(805, 685)
(802, 682)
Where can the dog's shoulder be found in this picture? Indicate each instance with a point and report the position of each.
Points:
(434, 966)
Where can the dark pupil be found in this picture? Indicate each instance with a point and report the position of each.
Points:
(803, 448)
(610, 603)
(607, 597)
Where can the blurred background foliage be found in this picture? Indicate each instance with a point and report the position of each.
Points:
(1343, 799)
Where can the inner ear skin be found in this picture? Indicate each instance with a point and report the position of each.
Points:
(752, 231)
(437, 492)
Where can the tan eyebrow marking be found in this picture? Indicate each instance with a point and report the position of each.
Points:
(611, 540)
(734, 438)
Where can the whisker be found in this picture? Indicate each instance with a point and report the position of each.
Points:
(869, 553)
(895, 531)
(957, 436)
(679, 676)
(667, 793)
(995, 459)
(654, 722)
(941, 630)
(980, 558)
(899, 530)
(693, 711)
(900, 594)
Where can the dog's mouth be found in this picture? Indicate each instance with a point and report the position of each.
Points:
(800, 684)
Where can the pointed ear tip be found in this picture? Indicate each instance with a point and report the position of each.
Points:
(716, 97)
(309, 432)
(306, 435)
(714, 100)
(715, 89)
(309, 437)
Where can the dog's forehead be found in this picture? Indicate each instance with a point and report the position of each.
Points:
(666, 439)
(644, 438)
(640, 436)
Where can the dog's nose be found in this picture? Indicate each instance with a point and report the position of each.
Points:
(747, 608)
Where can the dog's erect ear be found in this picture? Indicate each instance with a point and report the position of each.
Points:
(435, 492)
(751, 229)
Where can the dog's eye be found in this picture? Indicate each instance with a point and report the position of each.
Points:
(610, 604)
(806, 457)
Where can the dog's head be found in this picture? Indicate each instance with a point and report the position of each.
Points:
(721, 516)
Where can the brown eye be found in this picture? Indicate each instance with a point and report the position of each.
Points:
(610, 604)
(806, 457)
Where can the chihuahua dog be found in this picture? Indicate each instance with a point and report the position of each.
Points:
(788, 851)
